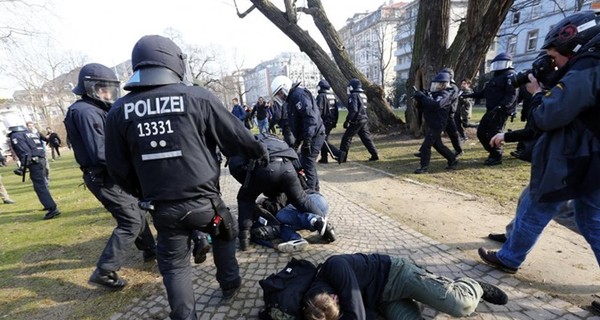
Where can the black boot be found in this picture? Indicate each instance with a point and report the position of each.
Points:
(201, 248)
(107, 279)
(493, 294)
(244, 240)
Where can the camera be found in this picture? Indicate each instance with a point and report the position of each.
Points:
(542, 69)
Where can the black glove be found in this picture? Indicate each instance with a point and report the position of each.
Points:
(346, 124)
(306, 148)
(418, 95)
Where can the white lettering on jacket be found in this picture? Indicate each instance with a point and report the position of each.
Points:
(158, 105)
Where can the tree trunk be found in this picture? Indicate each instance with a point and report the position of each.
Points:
(474, 37)
(381, 116)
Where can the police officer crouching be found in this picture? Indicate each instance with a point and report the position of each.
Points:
(28, 148)
(161, 145)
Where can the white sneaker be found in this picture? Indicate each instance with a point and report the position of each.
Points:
(292, 246)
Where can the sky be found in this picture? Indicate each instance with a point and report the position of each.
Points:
(106, 31)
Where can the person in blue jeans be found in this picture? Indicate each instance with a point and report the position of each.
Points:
(374, 286)
(566, 158)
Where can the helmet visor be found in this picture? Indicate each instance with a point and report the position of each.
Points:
(438, 86)
(105, 91)
(500, 65)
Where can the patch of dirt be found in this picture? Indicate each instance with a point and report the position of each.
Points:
(561, 263)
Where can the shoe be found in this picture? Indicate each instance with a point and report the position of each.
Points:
(516, 154)
(201, 248)
(493, 294)
(421, 170)
(51, 214)
(342, 157)
(230, 293)
(596, 306)
(107, 279)
(489, 257)
(323, 160)
(292, 246)
(268, 232)
(418, 154)
(320, 225)
(329, 234)
(9, 201)
(498, 237)
(374, 158)
(492, 162)
(458, 154)
(149, 255)
(452, 165)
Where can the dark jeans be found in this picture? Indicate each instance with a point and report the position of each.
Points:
(433, 139)
(55, 149)
(132, 226)
(492, 122)
(37, 174)
(362, 129)
(175, 226)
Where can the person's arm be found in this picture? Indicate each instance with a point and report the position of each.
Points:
(118, 158)
(91, 130)
(352, 108)
(339, 274)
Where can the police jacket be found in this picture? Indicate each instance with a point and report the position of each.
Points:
(327, 104)
(85, 122)
(435, 108)
(26, 145)
(499, 92)
(357, 279)
(357, 106)
(166, 137)
(566, 158)
(304, 117)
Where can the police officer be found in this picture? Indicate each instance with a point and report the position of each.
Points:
(305, 124)
(28, 148)
(435, 111)
(451, 125)
(500, 102)
(357, 122)
(279, 176)
(327, 104)
(85, 123)
(162, 147)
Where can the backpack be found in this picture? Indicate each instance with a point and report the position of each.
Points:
(284, 291)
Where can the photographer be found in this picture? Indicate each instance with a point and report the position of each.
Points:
(500, 102)
(28, 148)
(566, 159)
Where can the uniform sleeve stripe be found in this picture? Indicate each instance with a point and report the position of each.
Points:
(161, 155)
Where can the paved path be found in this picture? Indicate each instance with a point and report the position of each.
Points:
(359, 229)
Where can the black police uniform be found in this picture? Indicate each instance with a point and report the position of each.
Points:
(280, 117)
(357, 122)
(451, 126)
(29, 150)
(85, 123)
(162, 147)
(500, 102)
(280, 175)
(435, 111)
(307, 127)
(327, 104)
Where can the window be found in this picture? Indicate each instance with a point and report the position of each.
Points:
(535, 11)
(511, 47)
(532, 37)
(516, 17)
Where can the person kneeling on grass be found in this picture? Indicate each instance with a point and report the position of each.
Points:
(368, 286)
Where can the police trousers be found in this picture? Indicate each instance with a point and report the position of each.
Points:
(37, 174)
(176, 222)
(492, 122)
(132, 226)
(362, 129)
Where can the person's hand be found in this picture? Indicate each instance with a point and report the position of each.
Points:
(306, 148)
(497, 140)
(533, 86)
(418, 95)
(346, 124)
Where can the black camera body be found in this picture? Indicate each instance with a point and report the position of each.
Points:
(542, 69)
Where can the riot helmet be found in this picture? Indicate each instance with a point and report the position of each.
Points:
(17, 128)
(280, 84)
(450, 72)
(98, 82)
(440, 82)
(323, 85)
(354, 85)
(156, 60)
(570, 34)
(501, 62)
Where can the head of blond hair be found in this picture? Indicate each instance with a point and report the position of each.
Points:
(321, 307)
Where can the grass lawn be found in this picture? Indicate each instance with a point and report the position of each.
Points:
(45, 265)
